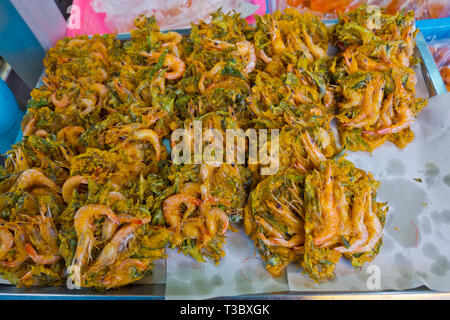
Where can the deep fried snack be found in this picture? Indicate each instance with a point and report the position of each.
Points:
(314, 218)
(376, 83)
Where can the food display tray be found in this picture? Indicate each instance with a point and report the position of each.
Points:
(156, 291)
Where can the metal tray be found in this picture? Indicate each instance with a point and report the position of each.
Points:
(156, 291)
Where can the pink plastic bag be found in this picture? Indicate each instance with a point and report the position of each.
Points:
(87, 21)
(117, 16)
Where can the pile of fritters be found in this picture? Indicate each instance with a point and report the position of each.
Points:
(91, 195)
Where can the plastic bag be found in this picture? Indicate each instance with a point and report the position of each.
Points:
(170, 14)
(424, 9)
(441, 53)
(327, 9)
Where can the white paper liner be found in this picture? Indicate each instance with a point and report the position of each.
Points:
(401, 263)
(415, 182)
(416, 239)
(240, 272)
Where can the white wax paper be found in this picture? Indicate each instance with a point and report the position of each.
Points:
(240, 272)
(415, 182)
(416, 248)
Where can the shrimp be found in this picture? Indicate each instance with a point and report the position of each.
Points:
(76, 42)
(264, 56)
(41, 259)
(192, 189)
(300, 97)
(118, 244)
(313, 151)
(206, 171)
(175, 65)
(152, 137)
(329, 214)
(354, 99)
(286, 215)
(41, 133)
(19, 245)
(99, 47)
(99, 56)
(29, 128)
(368, 64)
(342, 208)
(84, 228)
(405, 119)
(34, 177)
(160, 82)
(298, 165)
(324, 138)
(172, 211)
(247, 50)
(212, 215)
(278, 46)
(403, 58)
(89, 103)
(315, 50)
(102, 74)
(293, 242)
(115, 196)
(151, 117)
(135, 152)
(171, 36)
(122, 90)
(71, 134)
(6, 242)
(48, 84)
(218, 44)
(62, 103)
(386, 110)
(373, 225)
(370, 109)
(300, 45)
(21, 161)
(328, 98)
(350, 61)
(70, 185)
(117, 134)
(357, 219)
(47, 228)
(268, 227)
(122, 273)
(110, 227)
(100, 89)
(408, 36)
(214, 70)
(194, 229)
